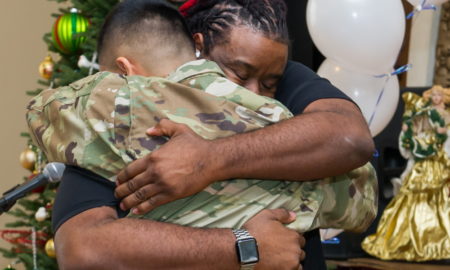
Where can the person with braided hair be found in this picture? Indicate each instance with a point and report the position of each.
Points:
(249, 41)
(85, 144)
(95, 123)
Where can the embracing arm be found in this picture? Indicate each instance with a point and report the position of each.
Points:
(89, 234)
(330, 138)
(97, 239)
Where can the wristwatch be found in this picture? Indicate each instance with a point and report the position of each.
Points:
(246, 248)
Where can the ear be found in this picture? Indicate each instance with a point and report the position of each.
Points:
(199, 41)
(125, 66)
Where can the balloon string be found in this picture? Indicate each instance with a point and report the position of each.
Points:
(419, 8)
(378, 101)
(396, 72)
(388, 76)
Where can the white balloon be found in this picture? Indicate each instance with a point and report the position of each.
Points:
(427, 2)
(365, 90)
(364, 35)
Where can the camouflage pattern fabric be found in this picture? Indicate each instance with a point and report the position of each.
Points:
(99, 123)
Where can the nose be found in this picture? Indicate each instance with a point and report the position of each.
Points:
(254, 87)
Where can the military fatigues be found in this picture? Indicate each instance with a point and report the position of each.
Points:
(99, 123)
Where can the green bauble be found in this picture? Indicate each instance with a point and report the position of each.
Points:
(9, 267)
(66, 32)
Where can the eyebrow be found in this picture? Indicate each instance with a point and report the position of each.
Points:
(245, 64)
(253, 68)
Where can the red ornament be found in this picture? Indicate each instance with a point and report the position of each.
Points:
(48, 206)
(38, 189)
(186, 6)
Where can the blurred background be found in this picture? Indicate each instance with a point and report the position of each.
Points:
(24, 22)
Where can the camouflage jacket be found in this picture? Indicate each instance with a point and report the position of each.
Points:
(99, 123)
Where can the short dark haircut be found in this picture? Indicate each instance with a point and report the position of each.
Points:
(135, 22)
(215, 18)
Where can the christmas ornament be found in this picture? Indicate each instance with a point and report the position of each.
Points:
(50, 248)
(49, 205)
(38, 189)
(41, 214)
(66, 32)
(46, 67)
(28, 159)
(83, 62)
(22, 237)
(9, 267)
(34, 247)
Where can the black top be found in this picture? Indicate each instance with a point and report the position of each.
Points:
(81, 190)
(300, 86)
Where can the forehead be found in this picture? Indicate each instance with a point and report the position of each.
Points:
(249, 46)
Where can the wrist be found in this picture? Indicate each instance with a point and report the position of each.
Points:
(246, 249)
(220, 153)
(231, 248)
(228, 160)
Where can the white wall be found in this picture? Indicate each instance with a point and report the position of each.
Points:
(22, 24)
(422, 48)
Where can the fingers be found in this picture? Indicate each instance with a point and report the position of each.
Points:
(302, 240)
(132, 170)
(150, 204)
(282, 215)
(302, 255)
(165, 127)
(139, 197)
(132, 185)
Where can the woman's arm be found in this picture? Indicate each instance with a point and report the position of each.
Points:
(329, 137)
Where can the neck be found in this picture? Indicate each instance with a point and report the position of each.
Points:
(440, 105)
(163, 67)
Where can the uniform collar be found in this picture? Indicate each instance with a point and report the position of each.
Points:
(194, 68)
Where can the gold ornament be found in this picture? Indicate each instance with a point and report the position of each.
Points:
(46, 67)
(28, 159)
(50, 248)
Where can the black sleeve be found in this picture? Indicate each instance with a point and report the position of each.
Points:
(300, 86)
(81, 190)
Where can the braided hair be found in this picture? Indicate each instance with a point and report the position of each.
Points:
(215, 19)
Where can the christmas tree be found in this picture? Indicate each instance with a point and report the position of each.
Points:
(73, 41)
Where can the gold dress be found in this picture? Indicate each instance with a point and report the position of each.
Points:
(415, 226)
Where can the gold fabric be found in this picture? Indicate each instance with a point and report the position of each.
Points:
(415, 226)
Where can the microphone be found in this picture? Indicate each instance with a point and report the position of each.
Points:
(52, 173)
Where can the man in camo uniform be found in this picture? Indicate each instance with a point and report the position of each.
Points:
(99, 123)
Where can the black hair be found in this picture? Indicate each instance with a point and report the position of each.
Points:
(215, 18)
(134, 21)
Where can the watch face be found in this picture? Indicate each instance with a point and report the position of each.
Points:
(247, 251)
